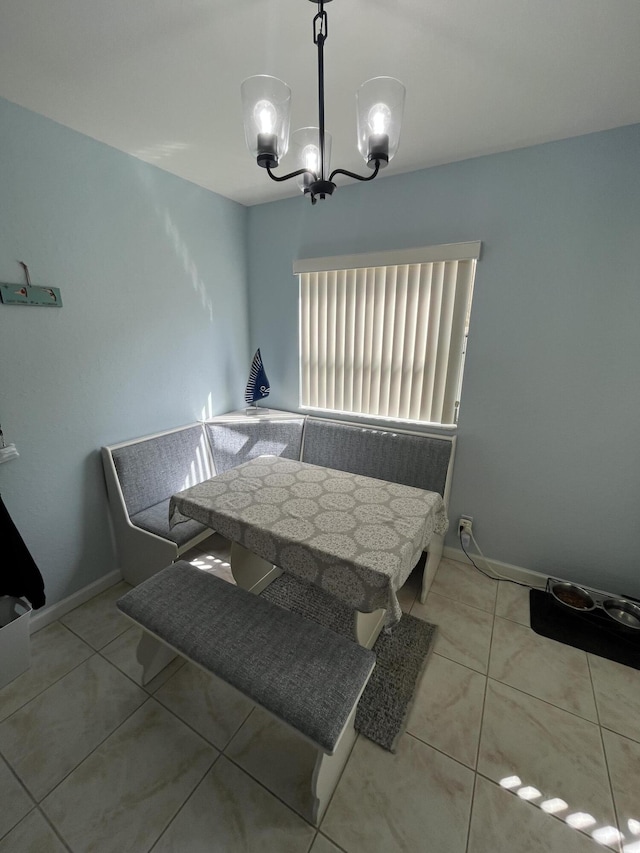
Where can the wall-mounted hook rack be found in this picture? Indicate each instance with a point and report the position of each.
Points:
(29, 294)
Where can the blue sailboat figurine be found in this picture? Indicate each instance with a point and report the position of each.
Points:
(258, 384)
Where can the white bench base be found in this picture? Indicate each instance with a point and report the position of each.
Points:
(154, 655)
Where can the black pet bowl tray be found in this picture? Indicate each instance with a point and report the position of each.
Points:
(598, 623)
(582, 599)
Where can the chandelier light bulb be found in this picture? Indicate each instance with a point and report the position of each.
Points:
(265, 116)
(379, 118)
(310, 158)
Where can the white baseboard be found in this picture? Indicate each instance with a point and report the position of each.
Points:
(495, 567)
(42, 618)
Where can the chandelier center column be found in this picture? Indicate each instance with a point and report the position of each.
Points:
(320, 32)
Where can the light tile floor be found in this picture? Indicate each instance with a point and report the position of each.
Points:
(91, 761)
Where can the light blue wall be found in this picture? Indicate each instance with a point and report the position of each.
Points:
(153, 333)
(548, 458)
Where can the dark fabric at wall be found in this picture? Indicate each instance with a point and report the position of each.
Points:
(19, 575)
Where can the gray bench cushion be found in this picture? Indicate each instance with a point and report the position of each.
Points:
(412, 460)
(151, 471)
(238, 441)
(155, 519)
(298, 670)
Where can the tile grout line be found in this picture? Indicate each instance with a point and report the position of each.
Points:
(190, 795)
(91, 752)
(484, 702)
(54, 829)
(616, 813)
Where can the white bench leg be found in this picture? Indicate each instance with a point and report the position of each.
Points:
(153, 656)
(328, 770)
(250, 571)
(434, 553)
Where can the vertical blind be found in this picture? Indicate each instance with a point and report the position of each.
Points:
(386, 339)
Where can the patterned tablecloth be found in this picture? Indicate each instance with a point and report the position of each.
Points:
(356, 537)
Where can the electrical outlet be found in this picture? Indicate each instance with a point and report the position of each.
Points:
(465, 524)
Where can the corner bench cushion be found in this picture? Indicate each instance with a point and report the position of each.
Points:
(155, 519)
(152, 470)
(399, 457)
(300, 671)
(233, 442)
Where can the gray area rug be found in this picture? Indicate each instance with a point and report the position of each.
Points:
(401, 657)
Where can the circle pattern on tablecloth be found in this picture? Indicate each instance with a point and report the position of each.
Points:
(300, 508)
(280, 480)
(295, 529)
(370, 495)
(334, 543)
(334, 522)
(262, 515)
(306, 490)
(407, 506)
(271, 495)
(339, 501)
(376, 538)
(339, 485)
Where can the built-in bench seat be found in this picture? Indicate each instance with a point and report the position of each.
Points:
(141, 475)
(302, 673)
(399, 456)
(236, 439)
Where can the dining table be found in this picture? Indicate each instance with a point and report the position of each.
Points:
(356, 537)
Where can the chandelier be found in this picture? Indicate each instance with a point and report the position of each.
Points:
(266, 104)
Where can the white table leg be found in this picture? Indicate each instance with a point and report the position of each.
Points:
(434, 553)
(250, 571)
(367, 627)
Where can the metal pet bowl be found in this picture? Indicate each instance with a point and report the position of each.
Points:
(623, 611)
(573, 596)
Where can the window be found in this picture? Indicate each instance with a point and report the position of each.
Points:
(384, 334)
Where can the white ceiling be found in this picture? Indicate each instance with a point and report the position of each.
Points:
(160, 79)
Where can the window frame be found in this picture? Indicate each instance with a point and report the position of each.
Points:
(448, 254)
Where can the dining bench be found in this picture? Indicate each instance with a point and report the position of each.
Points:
(300, 672)
(141, 475)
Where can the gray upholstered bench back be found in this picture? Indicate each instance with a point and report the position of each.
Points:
(151, 470)
(233, 442)
(303, 673)
(400, 457)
